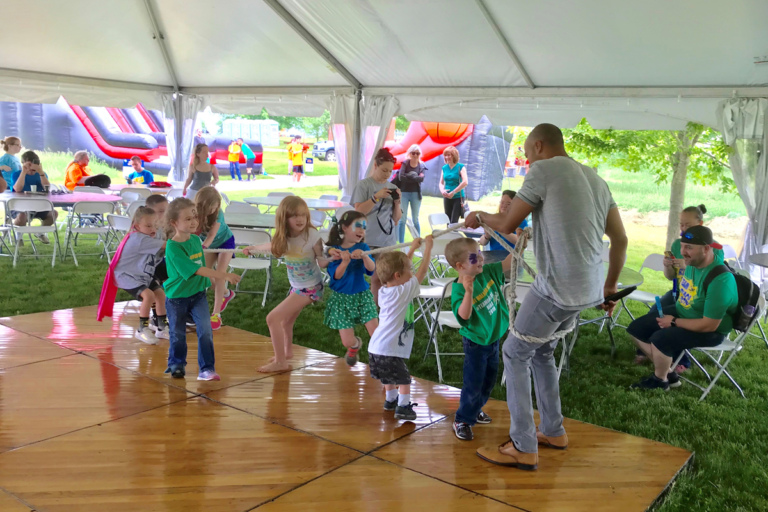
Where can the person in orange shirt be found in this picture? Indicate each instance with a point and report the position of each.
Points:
(77, 171)
(234, 159)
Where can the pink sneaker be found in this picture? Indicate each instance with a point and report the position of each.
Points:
(208, 375)
(226, 300)
(215, 322)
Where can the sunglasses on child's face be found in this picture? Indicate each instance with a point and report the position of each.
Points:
(474, 258)
(361, 224)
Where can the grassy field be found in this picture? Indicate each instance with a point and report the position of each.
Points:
(728, 434)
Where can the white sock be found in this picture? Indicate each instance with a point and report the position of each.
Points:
(391, 394)
(403, 400)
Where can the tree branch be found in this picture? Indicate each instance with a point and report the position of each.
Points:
(715, 159)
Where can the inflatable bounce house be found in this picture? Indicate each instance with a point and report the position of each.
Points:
(109, 134)
(483, 149)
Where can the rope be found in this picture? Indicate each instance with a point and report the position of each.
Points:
(435, 234)
(510, 289)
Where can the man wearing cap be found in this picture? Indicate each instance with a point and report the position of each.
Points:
(701, 317)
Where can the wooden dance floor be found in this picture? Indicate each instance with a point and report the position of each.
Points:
(89, 422)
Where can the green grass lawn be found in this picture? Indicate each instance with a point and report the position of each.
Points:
(728, 434)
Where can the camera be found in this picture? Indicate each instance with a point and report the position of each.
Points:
(395, 195)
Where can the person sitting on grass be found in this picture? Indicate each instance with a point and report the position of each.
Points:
(77, 171)
(482, 312)
(392, 341)
(32, 175)
(139, 176)
(701, 317)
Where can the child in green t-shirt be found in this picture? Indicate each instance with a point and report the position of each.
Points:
(482, 312)
(188, 278)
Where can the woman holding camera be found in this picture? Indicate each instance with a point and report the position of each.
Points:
(379, 200)
(452, 184)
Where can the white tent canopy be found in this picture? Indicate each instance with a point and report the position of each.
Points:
(628, 65)
(652, 64)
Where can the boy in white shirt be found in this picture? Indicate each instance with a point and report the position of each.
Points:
(391, 343)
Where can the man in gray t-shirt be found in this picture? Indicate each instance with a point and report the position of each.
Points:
(572, 208)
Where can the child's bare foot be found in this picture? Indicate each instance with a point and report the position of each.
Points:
(274, 366)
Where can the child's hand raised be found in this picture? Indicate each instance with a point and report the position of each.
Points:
(357, 254)
(232, 278)
(429, 241)
(334, 254)
(416, 243)
(467, 281)
(345, 256)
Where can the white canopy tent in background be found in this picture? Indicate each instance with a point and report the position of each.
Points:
(629, 65)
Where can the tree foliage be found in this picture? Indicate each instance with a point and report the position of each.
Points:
(654, 152)
(315, 126)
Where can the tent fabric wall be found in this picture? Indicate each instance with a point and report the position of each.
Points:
(181, 111)
(376, 113)
(343, 109)
(744, 124)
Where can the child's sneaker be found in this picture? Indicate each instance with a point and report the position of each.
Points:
(226, 300)
(405, 412)
(390, 405)
(215, 322)
(483, 418)
(208, 375)
(352, 356)
(463, 431)
(163, 334)
(145, 335)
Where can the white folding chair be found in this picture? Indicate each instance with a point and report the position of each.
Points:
(224, 198)
(134, 206)
(174, 193)
(340, 211)
(241, 207)
(652, 262)
(119, 225)
(87, 189)
(280, 194)
(716, 354)
(346, 199)
(437, 219)
(244, 237)
(32, 205)
(76, 228)
(318, 218)
(438, 265)
(439, 320)
(142, 192)
(329, 197)
(730, 255)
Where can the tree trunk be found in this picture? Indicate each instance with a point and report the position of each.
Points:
(686, 139)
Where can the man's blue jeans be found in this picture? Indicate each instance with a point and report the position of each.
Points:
(407, 198)
(235, 167)
(197, 306)
(481, 364)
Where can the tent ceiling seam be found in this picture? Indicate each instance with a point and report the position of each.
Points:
(312, 41)
(681, 92)
(160, 38)
(82, 80)
(505, 42)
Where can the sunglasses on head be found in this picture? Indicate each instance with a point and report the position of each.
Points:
(687, 236)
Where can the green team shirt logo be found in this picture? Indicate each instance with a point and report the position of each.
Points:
(688, 293)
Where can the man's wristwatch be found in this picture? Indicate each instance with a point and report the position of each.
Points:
(674, 322)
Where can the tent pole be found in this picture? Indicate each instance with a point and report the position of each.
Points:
(356, 157)
(160, 38)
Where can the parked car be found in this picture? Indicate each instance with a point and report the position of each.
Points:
(324, 150)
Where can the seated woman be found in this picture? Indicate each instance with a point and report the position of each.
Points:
(506, 199)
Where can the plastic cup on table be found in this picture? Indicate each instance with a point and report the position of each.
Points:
(33, 188)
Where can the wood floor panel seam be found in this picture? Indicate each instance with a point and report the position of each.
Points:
(96, 425)
(36, 362)
(449, 483)
(362, 455)
(19, 499)
(37, 336)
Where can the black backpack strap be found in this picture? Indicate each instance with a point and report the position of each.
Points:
(713, 273)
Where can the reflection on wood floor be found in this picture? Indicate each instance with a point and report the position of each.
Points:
(88, 421)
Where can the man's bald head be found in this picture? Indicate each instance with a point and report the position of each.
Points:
(545, 141)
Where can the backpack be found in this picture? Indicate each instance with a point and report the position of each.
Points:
(749, 294)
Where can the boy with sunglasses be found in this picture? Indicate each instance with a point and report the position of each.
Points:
(482, 312)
